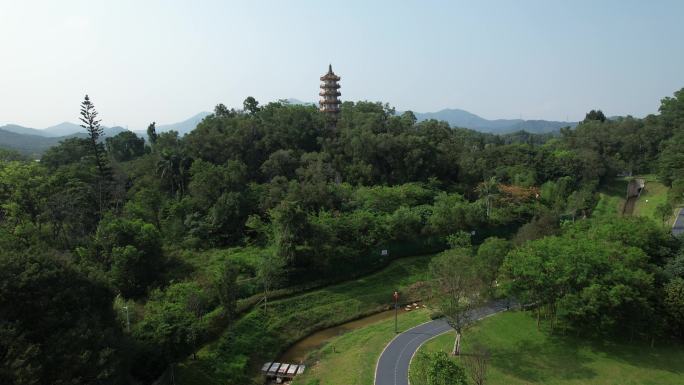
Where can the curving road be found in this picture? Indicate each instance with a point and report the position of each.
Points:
(393, 364)
(678, 225)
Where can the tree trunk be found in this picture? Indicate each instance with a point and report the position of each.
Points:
(457, 344)
(538, 316)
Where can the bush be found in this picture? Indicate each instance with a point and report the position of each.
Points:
(130, 250)
(438, 369)
(436, 314)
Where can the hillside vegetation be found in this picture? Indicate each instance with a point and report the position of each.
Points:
(139, 254)
(266, 331)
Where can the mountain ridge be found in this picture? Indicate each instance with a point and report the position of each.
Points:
(465, 119)
(185, 126)
(33, 145)
(33, 141)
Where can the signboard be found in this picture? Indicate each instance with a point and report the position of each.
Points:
(384, 253)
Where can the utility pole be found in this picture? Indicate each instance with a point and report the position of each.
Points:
(128, 320)
(396, 307)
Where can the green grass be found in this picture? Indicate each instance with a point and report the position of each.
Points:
(201, 265)
(654, 194)
(350, 359)
(611, 199)
(261, 335)
(523, 355)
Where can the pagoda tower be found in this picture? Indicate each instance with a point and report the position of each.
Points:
(330, 103)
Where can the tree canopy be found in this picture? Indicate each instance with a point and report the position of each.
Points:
(187, 230)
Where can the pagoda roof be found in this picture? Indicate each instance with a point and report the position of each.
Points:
(330, 92)
(330, 75)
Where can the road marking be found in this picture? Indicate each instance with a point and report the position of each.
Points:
(408, 375)
(375, 375)
(401, 353)
(679, 215)
(481, 313)
(496, 309)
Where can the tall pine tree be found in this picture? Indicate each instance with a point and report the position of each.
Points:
(92, 124)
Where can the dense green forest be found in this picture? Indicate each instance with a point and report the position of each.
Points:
(120, 258)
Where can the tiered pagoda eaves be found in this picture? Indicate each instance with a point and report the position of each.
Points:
(330, 102)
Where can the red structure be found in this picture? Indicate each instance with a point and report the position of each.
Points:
(330, 102)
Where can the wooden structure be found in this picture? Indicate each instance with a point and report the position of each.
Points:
(330, 102)
(280, 372)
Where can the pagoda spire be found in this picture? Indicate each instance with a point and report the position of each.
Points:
(330, 102)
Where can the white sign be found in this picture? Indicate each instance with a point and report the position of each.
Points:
(384, 253)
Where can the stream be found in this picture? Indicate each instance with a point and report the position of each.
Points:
(297, 352)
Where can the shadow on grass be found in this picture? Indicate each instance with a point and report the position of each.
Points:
(616, 187)
(664, 356)
(541, 362)
(568, 358)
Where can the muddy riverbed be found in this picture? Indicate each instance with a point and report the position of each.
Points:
(297, 352)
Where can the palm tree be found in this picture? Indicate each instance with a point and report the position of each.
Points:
(488, 191)
(172, 168)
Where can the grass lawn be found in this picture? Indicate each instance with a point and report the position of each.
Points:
(654, 194)
(611, 199)
(350, 359)
(523, 355)
(260, 336)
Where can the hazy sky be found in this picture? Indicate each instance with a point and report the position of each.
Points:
(167, 60)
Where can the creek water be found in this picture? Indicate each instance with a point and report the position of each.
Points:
(297, 352)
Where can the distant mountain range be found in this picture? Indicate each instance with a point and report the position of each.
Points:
(33, 142)
(59, 130)
(185, 126)
(465, 119)
(62, 129)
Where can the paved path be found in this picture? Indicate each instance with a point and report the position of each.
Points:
(678, 227)
(393, 364)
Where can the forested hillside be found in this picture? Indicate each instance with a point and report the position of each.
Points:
(119, 257)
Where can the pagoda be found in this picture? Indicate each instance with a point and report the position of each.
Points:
(330, 102)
